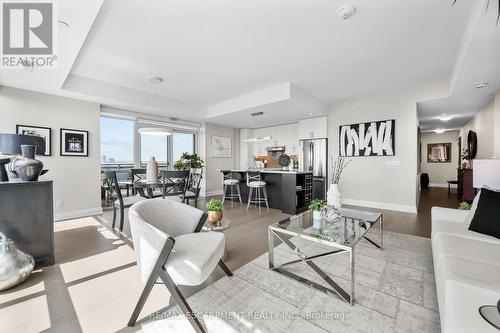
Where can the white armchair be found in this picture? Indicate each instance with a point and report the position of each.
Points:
(169, 246)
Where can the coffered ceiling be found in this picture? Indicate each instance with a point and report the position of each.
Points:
(210, 53)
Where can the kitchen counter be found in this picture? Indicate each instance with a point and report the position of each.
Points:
(267, 171)
(288, 191)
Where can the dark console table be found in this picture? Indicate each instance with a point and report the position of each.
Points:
(27, 217)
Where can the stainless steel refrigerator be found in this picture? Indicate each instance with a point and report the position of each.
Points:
(314, 157)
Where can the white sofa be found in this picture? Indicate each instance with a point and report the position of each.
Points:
(467, 271)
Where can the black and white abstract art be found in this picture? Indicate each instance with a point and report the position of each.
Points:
(74, 142)
(367, 139)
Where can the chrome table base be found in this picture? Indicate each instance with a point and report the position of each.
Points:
(335, 288)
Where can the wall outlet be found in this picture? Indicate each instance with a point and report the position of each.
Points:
(59, 203)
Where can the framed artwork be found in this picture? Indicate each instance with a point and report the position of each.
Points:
(74, 142)
(43, 132)
(374, 138)
(439, 153)
(220, 146)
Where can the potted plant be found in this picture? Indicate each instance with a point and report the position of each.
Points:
(316, 206)
(214, 208)
(189, 161)
(464, 205)
(333, 195)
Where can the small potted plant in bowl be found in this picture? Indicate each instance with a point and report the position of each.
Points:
(316, 206)
(214, 208)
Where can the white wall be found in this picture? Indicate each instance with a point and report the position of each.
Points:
(76, 179)
(484, 126)
(212, 182)
(440, 173)
(382, 182)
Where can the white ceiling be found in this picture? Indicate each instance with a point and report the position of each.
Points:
(477, 61)
(209, 52)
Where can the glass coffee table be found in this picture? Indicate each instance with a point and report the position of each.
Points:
(342, 235)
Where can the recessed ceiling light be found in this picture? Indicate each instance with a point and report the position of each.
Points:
(439, 130)
(256, 114)
(480, 85)
(155, 79)
(346, 12)
(446, 117)
(310, 113)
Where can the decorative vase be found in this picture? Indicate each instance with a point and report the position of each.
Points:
(214, 217)
(27, 168)
(330, 214)
(317, 214)
(15, 265)
(152, 170)
(334, 197)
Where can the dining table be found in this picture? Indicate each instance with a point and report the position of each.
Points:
(146, 188)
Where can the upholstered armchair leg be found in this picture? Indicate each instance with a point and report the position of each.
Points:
(181, 301)
(162, 259)
(114, 217)
(225, 268)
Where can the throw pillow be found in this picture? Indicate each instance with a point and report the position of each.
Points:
(486, 219)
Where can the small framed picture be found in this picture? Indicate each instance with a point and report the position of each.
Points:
(74, 142)
(43, 132)
(439, 153)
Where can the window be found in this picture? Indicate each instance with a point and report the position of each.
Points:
(117, 142)
(182, 143)
(154, 145)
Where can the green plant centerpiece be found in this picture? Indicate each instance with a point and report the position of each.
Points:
(214, 208)
(464, 205)
(189, 161)
(316, 206)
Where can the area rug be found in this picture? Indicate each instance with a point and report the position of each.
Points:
(394, 292)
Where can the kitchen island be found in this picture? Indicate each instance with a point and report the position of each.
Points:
(288, 191)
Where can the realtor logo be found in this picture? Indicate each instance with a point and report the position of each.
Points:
(28, 34)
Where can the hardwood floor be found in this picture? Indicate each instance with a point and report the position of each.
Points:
(95, 283)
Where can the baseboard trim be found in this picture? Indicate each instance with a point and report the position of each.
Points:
(211, 193)
(442, 185)
(77, 214)
(381, 205)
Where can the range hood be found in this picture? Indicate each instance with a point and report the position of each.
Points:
(276, 149)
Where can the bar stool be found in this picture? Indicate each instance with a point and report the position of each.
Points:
(229, 181)
(254, 181)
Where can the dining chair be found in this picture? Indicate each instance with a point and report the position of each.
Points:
(140, 174)
(111, 182)
(174, 183)
(194, 186)
(169, 246)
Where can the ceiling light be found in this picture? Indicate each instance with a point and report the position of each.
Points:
(310, 113)
(446, 117)
(159, 131)
(155, 79)
(63, 23)
(258, 139)
(480, 85)
(256, 114)
(439, 130)
(346, 12)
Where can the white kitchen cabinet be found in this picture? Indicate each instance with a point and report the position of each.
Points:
(313, 128)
